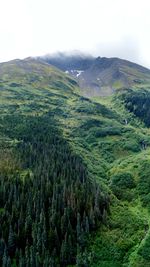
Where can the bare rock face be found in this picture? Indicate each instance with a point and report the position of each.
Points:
(100, 76)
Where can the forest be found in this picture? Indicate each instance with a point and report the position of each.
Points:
(48, 204)
(138, 102)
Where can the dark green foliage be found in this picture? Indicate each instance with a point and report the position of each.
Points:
(120, 182)
(138, 102)
(123, 180)
(91, 123)
(73, 82)
(50, 208)
(108, 131)
(144, 183)
(14, 84)
(145, 248)
(132, 145)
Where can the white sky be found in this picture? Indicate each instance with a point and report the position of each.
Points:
(117, 28)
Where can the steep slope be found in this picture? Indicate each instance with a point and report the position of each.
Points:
(125, 240)
(101, 76)
(74, 172)
(49, 202)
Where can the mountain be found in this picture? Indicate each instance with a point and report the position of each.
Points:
(100, 76)
(74, 171)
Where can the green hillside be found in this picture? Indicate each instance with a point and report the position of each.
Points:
(74, 172)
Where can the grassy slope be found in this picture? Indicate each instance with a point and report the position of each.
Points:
(119, 243)
(101, 136)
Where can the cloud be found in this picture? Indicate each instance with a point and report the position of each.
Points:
(126, 48)
(102, 27)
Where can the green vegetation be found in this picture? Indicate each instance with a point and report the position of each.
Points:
(138, 102)
(48, 203)
(74, 172)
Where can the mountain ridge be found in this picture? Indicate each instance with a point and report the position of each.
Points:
(100, 76)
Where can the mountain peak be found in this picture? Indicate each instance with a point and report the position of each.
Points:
(100, 75)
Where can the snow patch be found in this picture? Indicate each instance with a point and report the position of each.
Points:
(76, 73)
(79, 72)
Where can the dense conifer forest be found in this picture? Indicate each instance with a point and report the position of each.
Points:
(48, 203)
(138, 102)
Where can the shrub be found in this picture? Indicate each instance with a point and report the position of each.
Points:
(120, 185)
(123, 180)
(145, 249)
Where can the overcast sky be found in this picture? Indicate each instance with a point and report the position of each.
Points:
(111, 28)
